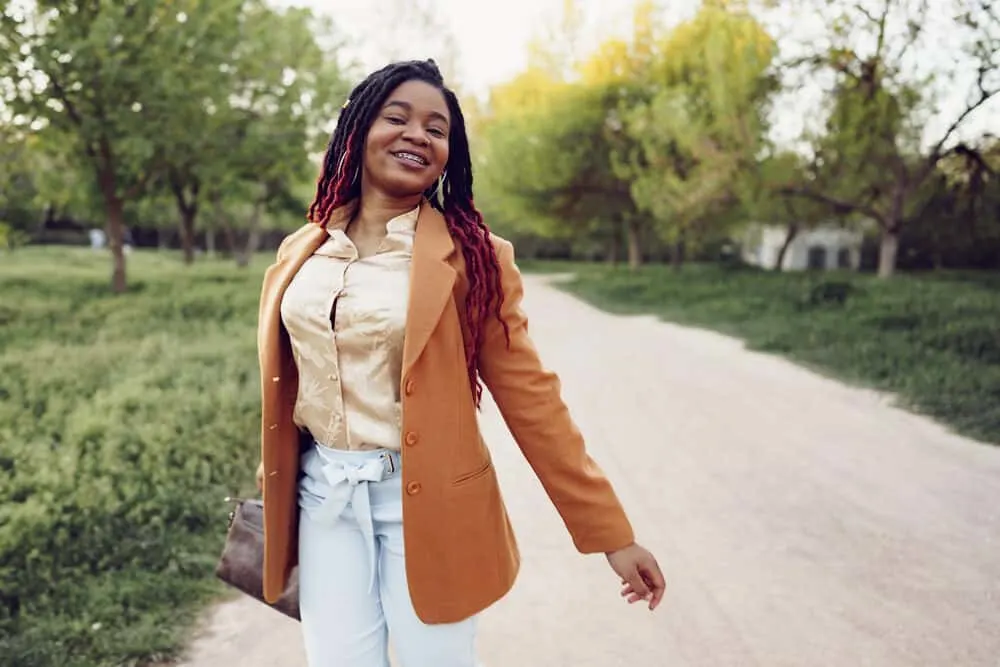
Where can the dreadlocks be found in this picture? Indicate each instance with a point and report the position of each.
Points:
(339, 182)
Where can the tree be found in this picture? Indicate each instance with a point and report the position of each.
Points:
(702, 126)
(874, 157)
(105, 77)
(623, 73)
(250, 135)
(545, 162)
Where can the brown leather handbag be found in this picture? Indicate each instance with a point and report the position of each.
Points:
(242, 562)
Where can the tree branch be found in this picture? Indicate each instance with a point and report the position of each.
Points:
(840, 206)
(155, 165)
(984, 96)
(59, 93)
(177, 187)
(867, 14)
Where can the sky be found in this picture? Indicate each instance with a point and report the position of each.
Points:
(492, 38)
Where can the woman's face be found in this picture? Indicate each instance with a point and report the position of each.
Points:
(407, 145)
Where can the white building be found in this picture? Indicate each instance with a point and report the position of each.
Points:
(823, 247)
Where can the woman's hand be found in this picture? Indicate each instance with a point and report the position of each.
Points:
(640, 574)
(260, 477)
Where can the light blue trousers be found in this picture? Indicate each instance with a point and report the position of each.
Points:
(352, 578)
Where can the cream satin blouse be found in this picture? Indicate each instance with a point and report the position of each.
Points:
(346, 317)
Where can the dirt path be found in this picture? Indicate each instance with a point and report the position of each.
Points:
(801, 523)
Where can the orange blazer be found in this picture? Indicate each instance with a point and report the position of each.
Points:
(461, 555)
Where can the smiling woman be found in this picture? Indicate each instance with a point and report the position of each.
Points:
(377, 322)
(407, 146)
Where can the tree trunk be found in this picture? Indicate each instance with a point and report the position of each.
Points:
(210, 243)
(677, 255)
(889, 245)
(888, 249)
(614, 246)
(253, 237)
(187, 232)
(225, 225)
(188, 208)
(47, 217)
(634, 246)
(115, 209)
(793, 231)
(230, 235)
(253, 243)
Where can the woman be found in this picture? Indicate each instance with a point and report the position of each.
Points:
(377, 323)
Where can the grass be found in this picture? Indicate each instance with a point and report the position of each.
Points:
(933, 340)
(124, 423)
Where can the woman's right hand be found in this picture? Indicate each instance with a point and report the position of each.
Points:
(260, 477)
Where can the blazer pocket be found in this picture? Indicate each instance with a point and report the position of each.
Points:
(474, 475)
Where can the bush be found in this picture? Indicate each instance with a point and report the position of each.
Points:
(124, 423)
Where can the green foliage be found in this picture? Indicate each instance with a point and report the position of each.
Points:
(551, 170)
(227, 98)
(933, 340)
(108, 77)
(19, 193)
(281, 91)
(703, 127)
(10, 237)
(124, 422)
(544, 145)
(660, 127)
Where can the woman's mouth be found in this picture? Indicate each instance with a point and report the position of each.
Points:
(411, 160)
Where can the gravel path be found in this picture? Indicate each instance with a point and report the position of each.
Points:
(800, 523)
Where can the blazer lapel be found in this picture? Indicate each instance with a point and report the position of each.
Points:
(278, 277)
(431, 281)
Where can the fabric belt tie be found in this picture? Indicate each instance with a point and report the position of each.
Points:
(349, 484)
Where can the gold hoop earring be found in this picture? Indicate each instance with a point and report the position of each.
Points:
(440, 186)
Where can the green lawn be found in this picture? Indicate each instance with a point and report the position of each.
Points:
(933, 340)
(124, 423)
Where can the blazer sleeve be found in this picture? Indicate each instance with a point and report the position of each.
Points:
(529, 398)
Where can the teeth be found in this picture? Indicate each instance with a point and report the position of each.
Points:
(412, 158)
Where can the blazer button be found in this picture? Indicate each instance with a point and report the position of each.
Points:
(409, 387)
(411, 438)
(413, 488)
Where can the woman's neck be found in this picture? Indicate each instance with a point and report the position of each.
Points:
(376, 209)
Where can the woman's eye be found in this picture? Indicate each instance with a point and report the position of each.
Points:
(437, 132)
(395, 120)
